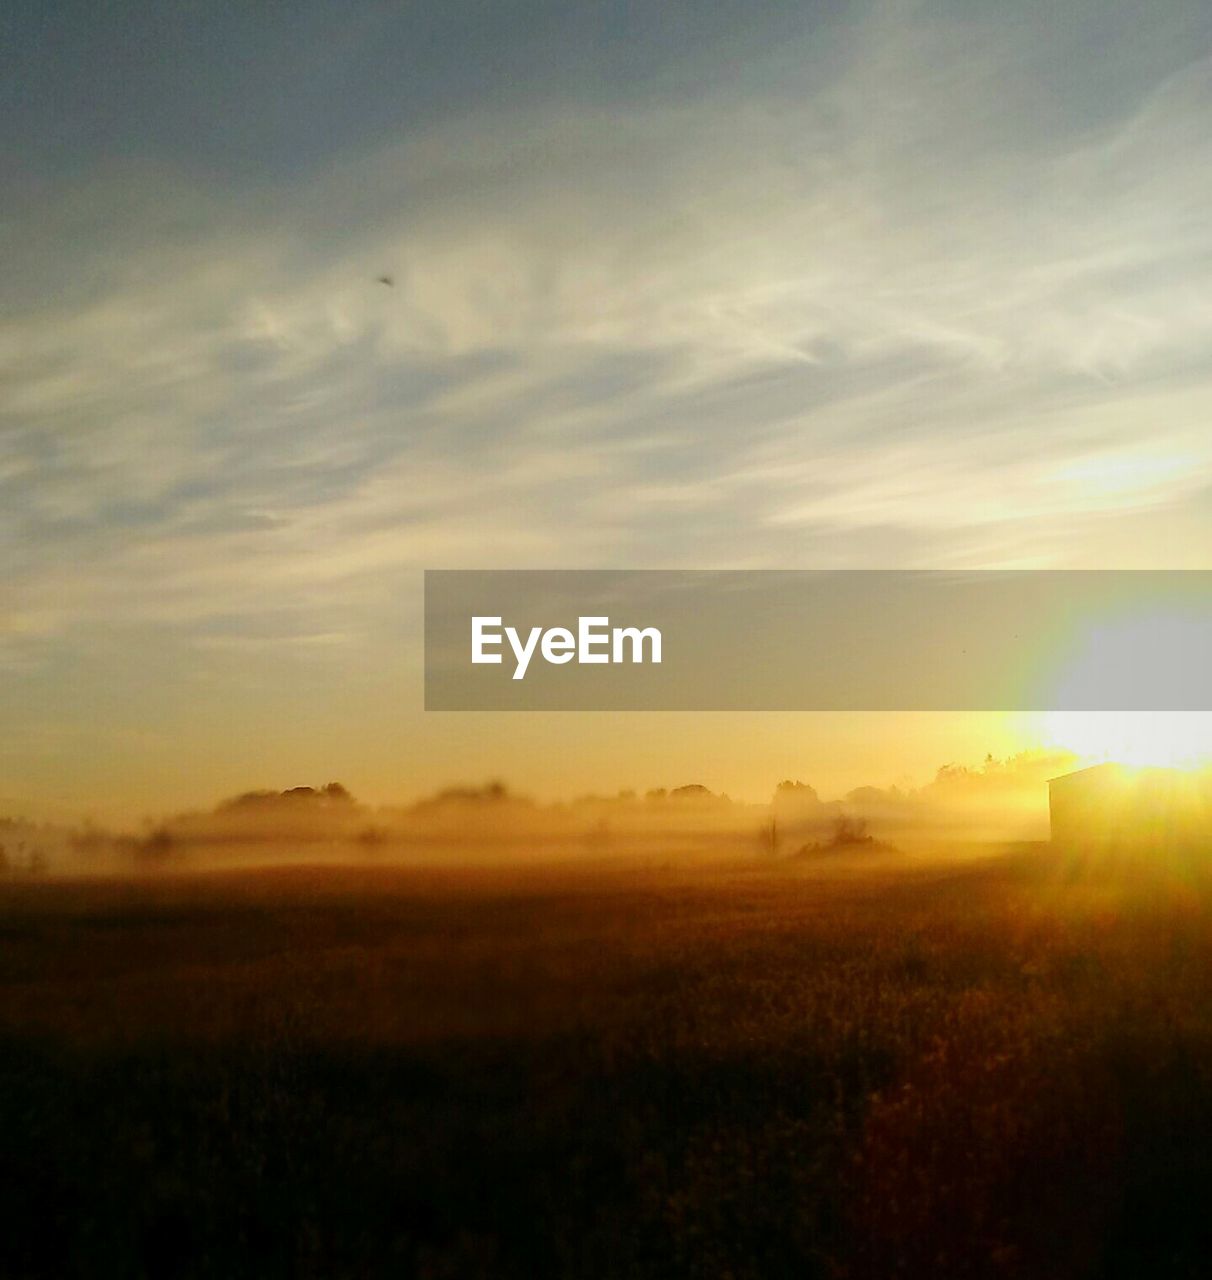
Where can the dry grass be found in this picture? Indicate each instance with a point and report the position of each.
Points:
(993, 1069)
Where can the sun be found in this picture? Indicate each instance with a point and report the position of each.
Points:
(1177, 739)
(1143, 653)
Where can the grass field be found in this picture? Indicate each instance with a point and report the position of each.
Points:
(993, 1068)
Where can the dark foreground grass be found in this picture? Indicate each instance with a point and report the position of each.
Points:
(989, 1070)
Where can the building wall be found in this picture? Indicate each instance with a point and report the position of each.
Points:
(1110, 807)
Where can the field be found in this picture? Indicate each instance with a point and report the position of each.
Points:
(992, 1068)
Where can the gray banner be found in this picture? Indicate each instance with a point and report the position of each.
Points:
(670, 640)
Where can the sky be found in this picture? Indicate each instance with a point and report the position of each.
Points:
(728, 285)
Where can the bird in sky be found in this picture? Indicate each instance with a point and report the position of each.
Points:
(389, 281)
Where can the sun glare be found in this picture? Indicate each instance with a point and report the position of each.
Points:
(1178, 739)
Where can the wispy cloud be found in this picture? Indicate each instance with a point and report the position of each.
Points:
(837, 310)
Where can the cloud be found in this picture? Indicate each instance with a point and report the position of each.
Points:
(885, 306)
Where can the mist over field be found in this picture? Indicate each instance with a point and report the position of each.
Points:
(899, 1033)
(837, 1066)
(962, 806)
